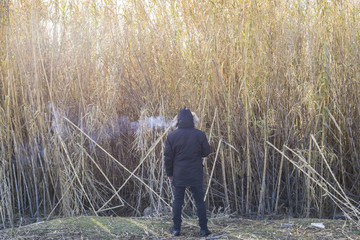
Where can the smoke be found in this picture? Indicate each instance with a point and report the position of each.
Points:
(154, 123)
(113, 127)
(123, 126)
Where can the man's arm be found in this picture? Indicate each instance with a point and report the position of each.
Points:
(205, 147)
(169, 159)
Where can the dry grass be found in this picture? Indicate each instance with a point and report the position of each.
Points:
(254, 72)
(148, 228)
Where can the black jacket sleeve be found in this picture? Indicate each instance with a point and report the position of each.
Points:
(169, 158)
(205, 147)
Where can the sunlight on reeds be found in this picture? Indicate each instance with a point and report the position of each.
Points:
(79, 80)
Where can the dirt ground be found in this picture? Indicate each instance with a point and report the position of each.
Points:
(157, 228)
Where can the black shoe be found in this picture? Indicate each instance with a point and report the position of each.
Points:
(174, 232)
(204, 233)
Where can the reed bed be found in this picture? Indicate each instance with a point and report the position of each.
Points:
(275, 85)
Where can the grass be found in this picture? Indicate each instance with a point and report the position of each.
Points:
(255, 72)
(157, 228)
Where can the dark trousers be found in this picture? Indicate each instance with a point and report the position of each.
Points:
(198, 195)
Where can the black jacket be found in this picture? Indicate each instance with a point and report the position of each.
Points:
(184, 150)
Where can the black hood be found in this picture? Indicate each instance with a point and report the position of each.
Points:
(185, 119)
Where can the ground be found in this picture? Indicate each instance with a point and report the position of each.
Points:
(157, 228)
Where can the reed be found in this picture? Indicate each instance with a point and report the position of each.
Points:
(75, 76)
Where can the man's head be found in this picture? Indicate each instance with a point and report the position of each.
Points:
(186, 119)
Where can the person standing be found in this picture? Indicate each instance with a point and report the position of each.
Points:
(184, 149)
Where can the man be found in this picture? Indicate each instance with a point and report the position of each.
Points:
(184, 149)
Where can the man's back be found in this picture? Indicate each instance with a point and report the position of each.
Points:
(183, 153)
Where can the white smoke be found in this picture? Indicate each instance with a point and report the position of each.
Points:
(124, 125)
(115, 126)
(158, 122)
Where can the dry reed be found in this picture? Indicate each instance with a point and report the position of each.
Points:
(256, 72)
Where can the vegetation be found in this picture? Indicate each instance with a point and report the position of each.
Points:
(157, 228)
(275, 85)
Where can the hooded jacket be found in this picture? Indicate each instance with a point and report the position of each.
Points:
(184, 150)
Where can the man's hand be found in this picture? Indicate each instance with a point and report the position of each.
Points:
(170, 178)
